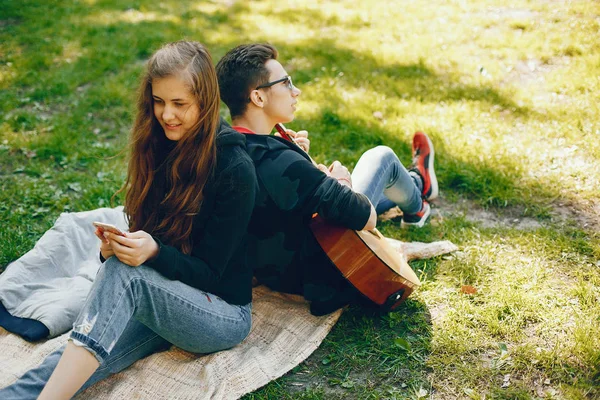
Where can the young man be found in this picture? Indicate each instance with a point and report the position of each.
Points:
(286, 257)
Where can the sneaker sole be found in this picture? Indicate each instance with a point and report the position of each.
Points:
(432, 178)
(421, 222)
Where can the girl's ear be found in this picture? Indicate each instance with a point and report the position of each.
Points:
(257, 98)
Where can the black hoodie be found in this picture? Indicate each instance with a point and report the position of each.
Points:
(216, 264)
(282, 249)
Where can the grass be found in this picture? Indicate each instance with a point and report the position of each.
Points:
(509, 93)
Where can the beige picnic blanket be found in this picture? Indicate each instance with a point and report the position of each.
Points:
(283, 334)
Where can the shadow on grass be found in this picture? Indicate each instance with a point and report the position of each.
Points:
(118, 45)
(80, 51)
(411, 81)
(365, 354)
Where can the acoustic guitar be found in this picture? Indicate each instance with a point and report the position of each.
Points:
(365, 259)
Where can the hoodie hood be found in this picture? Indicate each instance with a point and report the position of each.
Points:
(227, 136)
(264, 146)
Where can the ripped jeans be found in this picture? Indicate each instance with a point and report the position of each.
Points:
(381, 177)
(132, 312)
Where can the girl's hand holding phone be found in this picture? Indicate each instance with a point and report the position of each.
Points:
(105, 247)
(134, 248)
(106, 250)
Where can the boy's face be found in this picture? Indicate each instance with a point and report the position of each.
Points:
(280, 100)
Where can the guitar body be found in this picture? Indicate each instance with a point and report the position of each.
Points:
(365, 258)
(368, 262)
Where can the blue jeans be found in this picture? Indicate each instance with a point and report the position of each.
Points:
(380, 176)
(132, 312)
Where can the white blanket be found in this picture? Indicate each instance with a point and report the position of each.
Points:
(51, 282)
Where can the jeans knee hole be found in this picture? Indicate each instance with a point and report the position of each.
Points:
(87, 325)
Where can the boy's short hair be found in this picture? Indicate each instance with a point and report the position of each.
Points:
(240, 71)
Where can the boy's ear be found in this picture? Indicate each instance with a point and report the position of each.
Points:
(257, 98)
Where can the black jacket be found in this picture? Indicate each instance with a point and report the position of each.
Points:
(216, 263)
(285, 255)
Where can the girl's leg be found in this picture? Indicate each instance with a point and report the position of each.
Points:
(380, 176)
(191, 319)
(75, 366)
(137, 342)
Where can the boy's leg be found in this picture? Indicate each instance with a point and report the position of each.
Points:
(380, 176)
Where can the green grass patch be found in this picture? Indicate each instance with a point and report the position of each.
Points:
(508, 92)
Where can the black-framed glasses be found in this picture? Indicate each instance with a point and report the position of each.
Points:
(287, 79)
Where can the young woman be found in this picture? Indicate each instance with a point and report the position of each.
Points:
(178, 276)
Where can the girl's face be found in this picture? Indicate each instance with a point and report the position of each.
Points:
(175, 107)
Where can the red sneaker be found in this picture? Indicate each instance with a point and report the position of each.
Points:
(423, 155)
(419, 218)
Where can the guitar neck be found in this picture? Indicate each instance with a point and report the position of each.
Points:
(281, 129)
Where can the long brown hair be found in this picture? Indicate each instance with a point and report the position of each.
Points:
(167, 208)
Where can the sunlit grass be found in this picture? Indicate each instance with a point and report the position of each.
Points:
(509, 93)
(130, 16)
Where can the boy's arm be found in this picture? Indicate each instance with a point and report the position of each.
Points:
(340, 172)
(294, 183)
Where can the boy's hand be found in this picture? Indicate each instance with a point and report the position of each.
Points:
(300, 137)
(324, 169)
(339, 172)
(135, 248)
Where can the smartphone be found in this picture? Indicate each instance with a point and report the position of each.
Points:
(108, 228)
(281, 129)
